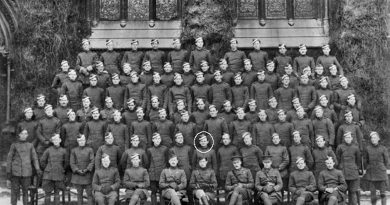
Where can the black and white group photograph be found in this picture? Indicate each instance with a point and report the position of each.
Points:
(194, 102)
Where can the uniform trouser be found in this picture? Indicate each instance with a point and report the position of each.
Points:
(136, 196)
(49, 186)
(201, 194)
(16, 184)
(352, 186)
(154, 188)
(101, 198)
(378, 185)
(80, 189)
(172, 195)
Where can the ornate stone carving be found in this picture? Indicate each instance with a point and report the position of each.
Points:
(248, 9)
(138, 10)
(304, 8)
(275, 8)
(110, 10)
(166, 9)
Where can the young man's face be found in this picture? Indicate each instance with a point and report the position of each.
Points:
(56, 141)
(203, 143)
(86, 46)
(179, 139)
(65, 67)
(333, 70)
(185, 117)
(304, 79)
(109, 139)
(23, 135)
(300, 113)
(155, 45)
(261, 77)
(240, 114)
(81, 142)
(200, 78)
(72, 76)
(178, 80)
(286, 81)
(109, 103)
(326, 51)
(248, 66)
(329, 164)
(213, 112)
(177, 45)
(223, 65)
(117, 116)
(256, 45)
(28, 114)
(273, 103)
(238, 80)
(202, 163)
(226, 140)
(173, 161)
(72, 116)
(201, 105)
(301, 165)
(218, 77)
(276, 139)
(186, 68)
(233, 45)
(147, 67)
(344, 83)
(374, 139)
(199, 44)
(205, 68)
(319, 113)
(134, 46)
(110, 46)
(180, 106)
(168, 68)
(135, 142)
(64, 102)
(349, 118)
(302, 51)
(297, 138)
(131, 105)
(95, 115)
(162, 115)
(271, 67)
(237, 163)
(155, 103)
(288, 70)
(100, 68)
(156, 141)
(49, 112)
(41, 102)
(262, 116)
(134, 78)
(126, 69)
(86, 103)
(140, 114)
(252, 107)
(351, 100)
(282, 50)
(93, 82)
(156, 78)
(348, 139)
(319, 70)
(282, 116)
(227, 106)
(324, 102)
(320, 142)
(116, 81)
(267, 164)
(248, 140)
(135, 161)
(106, 162)
(324, 84)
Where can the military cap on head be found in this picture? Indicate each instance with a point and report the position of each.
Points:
(105, 156)
(63, 97)
(154, 97)
(247, 60)
(299, 159)
(322, 79)
(48, 106)
(320, 137)
(351, 95)
(306, 69)
(373, 133)
(108, 41)
(325, 46)
(41, 97)
(126, 65)
(260, 72)
(272, 99)
(99, 63)
(64, 62)
(198, 73)
(343, 78)
(288, 66)
(139, 109)
(85, 98)
(94, 109)
(300, 108)
(116, 112)
(239, 109)
(134, 137)
(155, 135)
(322, 97)
(295, 132)
(72, 71)
(317, 108)
(135, 156)
(347, 133)
(226, 102)
(270, 62)
(167, 64)
(251, 102)
(329, 159)
(175, 40)
(246, 134)
(333, 66)
(212, 106)
(70, 111)
(186, 64)
(295, 100)
(348, 113)
(233, 40)
(282, 45)
(199, 100)
(55, 136)
(237, 75)
(108, 134)
(275, 135)
(27, 109)
(302, 46)
(280, 111)
(285, 77)
(130, 100)
(262, 111)
(255, 40)
(217, 72)
(134, 41)
(203, 137)
(178, 134)
(80, 137)
(204, 63)
(222, 61)
(85, 41)
(115, 76)
(198, 39)
(146, 62)
(154, 41)
(319, 65)
(176, 76)
(108, 99)
(93, 77)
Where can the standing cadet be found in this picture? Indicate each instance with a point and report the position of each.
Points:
(249, 76)
(82, 164)
(186, 127)
(173, 181)
(183, 153)
(108, 111)
(177, 56)
(303, 61)
(129, 115)
(157, 89)
(135, 148)
(239, 126)
(54, 162)
(321, 152)
(252, 154)
(94, 130)
(216, 126)
(272, 111)
(70, 131)
(332, 184)
(61, 77)
(334, 78)
(164, 127)
(103, 78)
(228, 113)
(357, 113)
(136, 181)
(167, 76)
(349, 158)
(204, 182)
(155, 56)
(224, 154)
(302, 184)
(85, 62)
(111, 58)
(47, 127)
(219, 91)
(324, 89)
(105, 183)
(341, 95)
(284, 129)
(157, 155)
(204, 150)
(349, 126)
(298, 150)
(111, 150)
(200, 90)
(294, 81)
(136, 90)
(258, 57)
(73, 89)
(116, 91)
(199, 54)
(261, 91)
(30, 124)
(95, 93)
(235, 57)
(227, 75)
(146, 76)
(328, 110)
(285, 94)
(251, 114)
(188, 75)
(84, 113)
(134, 57)
(307, 94)
(268, 183)
(62, 109)
(305, 127)
(20, 161)
(39, 107)
(262, 131)
(125, 77)
(327, 60)
(239, 183)
(240, 92)
(200, 115)
(179, 92)
(282, 60)
(207, 72)
(376, 159)
(141, 128)
(270, 76)
(323, 126)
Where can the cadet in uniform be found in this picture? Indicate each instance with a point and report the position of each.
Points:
(282, 60)
(47, 127)
(219, 91)
(155, 56)
(252, 154)
(111, 150)
(85, 62)
(203, 182)
(73, 89)
(119, 131)
(235, 57)
(261, 91)
(94, 130)
(30, 124)
(95, 93)
(164, 127)
(240, 126)
(258, 57)
(70, 131)
(303, 61)
(134, 57)
(177, 56)
(141, 128)
(327, 60)
(215, 125)
(224, 154)
(179, 92)
(240, 92)
(84, 114)
(111, 58)
(136, 90)
(39, 107)
(116, 91)
(262, 131)
(199, 54)
(61, 77)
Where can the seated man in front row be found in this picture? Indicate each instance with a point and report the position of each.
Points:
(332, 184)
(239, 183)
(302, 184)
(136, 180)
(173, 181)
(105, 182)
(204, 182)
(268, 183)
